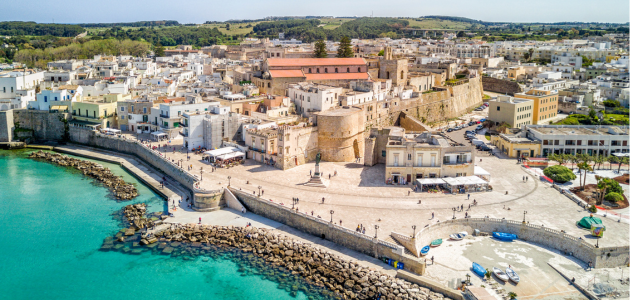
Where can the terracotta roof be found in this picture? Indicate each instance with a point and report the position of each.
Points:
(299, 62)
(286, 73)
(335, 76)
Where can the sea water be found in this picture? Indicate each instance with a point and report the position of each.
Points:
(52, 223)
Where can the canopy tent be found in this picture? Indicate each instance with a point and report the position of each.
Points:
(231, 155)
(220, 151)
(466, 184)
(479, 171)
(429, 181)
(618, 154)
(158, 135)
(587, 222)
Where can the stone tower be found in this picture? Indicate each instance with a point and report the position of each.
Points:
(395, 69)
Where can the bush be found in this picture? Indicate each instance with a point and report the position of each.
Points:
(592, 209)
(560, 174)
(613, 197)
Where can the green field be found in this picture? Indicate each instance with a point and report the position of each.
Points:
(330, 24)
(235, 28)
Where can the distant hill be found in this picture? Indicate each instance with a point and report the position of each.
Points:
(132, 24)
(15, 28)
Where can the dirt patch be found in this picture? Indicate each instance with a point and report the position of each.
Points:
(623, 179)
(589, 195)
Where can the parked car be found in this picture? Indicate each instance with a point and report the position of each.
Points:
(482, 120)
(449, 130)
(458, 128)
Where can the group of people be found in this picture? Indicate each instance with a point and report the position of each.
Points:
(360, 228)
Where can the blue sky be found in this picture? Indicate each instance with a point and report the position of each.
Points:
(199, 11)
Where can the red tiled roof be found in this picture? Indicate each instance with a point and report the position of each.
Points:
(336, 76)
(300, 62)
(286, 73)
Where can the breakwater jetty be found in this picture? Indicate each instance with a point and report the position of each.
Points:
(119, 188)
(295, 265)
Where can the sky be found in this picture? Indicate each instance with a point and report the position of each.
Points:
(199, 11)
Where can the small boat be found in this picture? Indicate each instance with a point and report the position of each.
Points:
(458, 236)
(425, 250)
(478, 269)
(500, 274)
(436, 243)
(512, 275)
(508, 237)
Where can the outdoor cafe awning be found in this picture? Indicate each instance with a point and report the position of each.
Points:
(221, 151)
(158, 133)
(422, 181)
(479, 171)
(231, 155)
(466, 180)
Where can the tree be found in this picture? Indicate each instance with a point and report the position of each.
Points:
(559, 174)
(622, 161)
(159, 50)
(599, 160)
(320, 49)
(227, 26)
(607, 185)
(345, 49)
(612, 103)
(583, 166)
(574, 159)
(612, 160)
(460, 34)
(381, 53)
(531, 53)
(561, 159)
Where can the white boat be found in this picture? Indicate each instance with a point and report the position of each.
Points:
(458, 236)
(512, 275)
(500, 274)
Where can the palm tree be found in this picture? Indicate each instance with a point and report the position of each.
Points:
(599, 160)
(586, 167)
(612, 160)
(622, 161)
(574, 160)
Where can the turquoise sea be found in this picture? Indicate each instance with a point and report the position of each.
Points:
(53, 221)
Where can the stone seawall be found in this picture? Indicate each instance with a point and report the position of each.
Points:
(321, 228)
(203, 200)
(601, 257)
(44, 125)
(6, 126)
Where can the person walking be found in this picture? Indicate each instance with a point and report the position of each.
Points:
(339, 222)
(432, 257)
(323, 200)
(199, 220)
(468, 196)
(432, 215)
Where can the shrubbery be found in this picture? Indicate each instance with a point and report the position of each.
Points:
(613, 197)
(560, 174)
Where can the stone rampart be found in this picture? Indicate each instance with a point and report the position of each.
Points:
(45, 125)
(555, 239)
(203, 199)
(324, 229)
(6, 126)
(501, 86)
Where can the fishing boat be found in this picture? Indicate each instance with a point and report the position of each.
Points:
(502, 236)
(512, 275)
(458, 236)
(500, 274)
(478, 269)
(425, 250)
(436, 243)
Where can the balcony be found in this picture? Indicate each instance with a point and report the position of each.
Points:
(183, 125)
(452, 163)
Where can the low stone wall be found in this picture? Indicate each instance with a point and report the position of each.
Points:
(501, 86)
(321, 228)
(232, 202)
(601, 257)
(7, 126)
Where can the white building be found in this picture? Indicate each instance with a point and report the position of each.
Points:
(18, 88)
(567, 58)
(580, 139)
(311, 98)
(56, 97)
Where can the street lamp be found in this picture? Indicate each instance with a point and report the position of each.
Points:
(229, 180)
(376, 231)
(414, 231)
(597, 245)
(295, 201)
(524, 213)
(331, 214)
(201, 175)
(259, 187)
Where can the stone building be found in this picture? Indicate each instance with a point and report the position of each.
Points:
(311, 98)
(297, 145)
(415, 156)
(545, 104)
(515, 112)
(395, 69)
(340, 134)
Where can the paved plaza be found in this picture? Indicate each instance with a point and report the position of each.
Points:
(359, 195)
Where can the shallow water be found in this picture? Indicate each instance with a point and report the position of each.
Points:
(53, 221)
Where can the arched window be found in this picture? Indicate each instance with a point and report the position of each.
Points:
(387, 75)
(336, 70)
(325, 70)
(402, 74)
(269, 84)
(359, 69)
(310, 71)
(348, 70)
(317, 70)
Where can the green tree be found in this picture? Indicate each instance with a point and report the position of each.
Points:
(607, 185)
(622, 161)
(583, 167)
(381, 53)
(345, 49)
(159, 50)
(320, 49)
(612, 160)
(227, 26)
(460, 34)
(559, 174)
(613, 197)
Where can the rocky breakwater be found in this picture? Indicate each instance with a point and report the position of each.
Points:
(295, 265)
(119, 188)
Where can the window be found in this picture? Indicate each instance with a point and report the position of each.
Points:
(325, 70)
(336, 70)
(409, 156)
(122, 117)
(395, 160)
(383, 153)
(569, 142)
(579, 142)
(46, 100)
(348, 70)
(359, 69)
(317, 70)
(144, 110)
(545, 142)
(310, 70)
(55, 98)
(556, 142)
(498, 108)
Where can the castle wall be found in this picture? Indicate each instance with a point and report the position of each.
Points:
(45, 125)
(501, 86)
(340, 137)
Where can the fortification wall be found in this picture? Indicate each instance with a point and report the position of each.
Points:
(324, 229)
(6, 126)
(411, 124)
(45, 125)
(340, 134)
(601, 257)
(501, 86)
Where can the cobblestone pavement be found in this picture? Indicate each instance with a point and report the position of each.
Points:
(358, 195)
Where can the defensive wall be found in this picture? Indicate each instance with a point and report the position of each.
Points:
(203, 200)
(340, 134)
(501, 86)
(6, 126)
(607, 257)
(326, 230)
